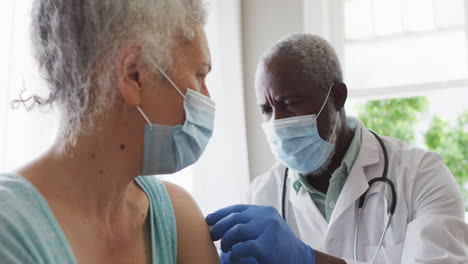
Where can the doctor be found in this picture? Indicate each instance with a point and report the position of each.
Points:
(320, 202)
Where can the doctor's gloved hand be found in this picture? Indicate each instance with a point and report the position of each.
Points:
(224, 257)
(252, 232)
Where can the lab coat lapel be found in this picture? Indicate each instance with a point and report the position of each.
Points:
(308, 216)
(357, 181)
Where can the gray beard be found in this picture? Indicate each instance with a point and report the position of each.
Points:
(324, 168)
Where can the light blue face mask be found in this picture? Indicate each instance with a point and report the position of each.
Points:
(296, 143)
(169, 149)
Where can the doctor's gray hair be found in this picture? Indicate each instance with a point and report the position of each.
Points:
(314, 55)
(76, 45)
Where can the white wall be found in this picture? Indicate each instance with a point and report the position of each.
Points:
(263, 23)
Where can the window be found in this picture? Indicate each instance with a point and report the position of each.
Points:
(406, 48)
(401, 43)
(398, 49)
(367, 19)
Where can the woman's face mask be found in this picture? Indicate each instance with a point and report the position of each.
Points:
(168, 149)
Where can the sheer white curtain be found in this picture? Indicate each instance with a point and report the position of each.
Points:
(221, 175)
(23, 134)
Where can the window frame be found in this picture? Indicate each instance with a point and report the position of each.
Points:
(326, 18)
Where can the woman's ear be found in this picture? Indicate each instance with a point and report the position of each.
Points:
(129, 64)
(340, 95)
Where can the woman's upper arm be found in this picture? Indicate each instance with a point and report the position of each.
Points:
(194, 243)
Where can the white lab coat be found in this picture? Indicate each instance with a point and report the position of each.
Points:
(428, 225)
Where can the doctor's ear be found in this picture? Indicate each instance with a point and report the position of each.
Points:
(129, 64)
(339, 95)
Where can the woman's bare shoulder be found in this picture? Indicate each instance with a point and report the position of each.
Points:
(193, 237)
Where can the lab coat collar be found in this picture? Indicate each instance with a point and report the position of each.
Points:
(370, 149)
(357, 181)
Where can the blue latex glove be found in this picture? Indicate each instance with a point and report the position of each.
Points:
(225, 259)
(257, 232)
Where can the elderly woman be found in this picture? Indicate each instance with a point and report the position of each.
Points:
(129, 79)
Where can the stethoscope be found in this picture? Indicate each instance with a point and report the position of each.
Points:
(362, 200)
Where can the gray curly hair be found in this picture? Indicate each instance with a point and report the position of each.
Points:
(315, 56)
(76, 43)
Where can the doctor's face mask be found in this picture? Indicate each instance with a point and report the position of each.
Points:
(296, 142)
(168, 149)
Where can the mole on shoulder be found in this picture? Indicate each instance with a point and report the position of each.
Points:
(122, 146)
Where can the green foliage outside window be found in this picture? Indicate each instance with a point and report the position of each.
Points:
(394, 117)
(398, 118)
(451, 141)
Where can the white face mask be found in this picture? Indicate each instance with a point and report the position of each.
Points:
(169, 149)
(296, 143)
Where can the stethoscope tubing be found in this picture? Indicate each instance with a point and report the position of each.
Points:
(362, 199)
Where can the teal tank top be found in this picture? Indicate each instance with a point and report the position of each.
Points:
(30, 233)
